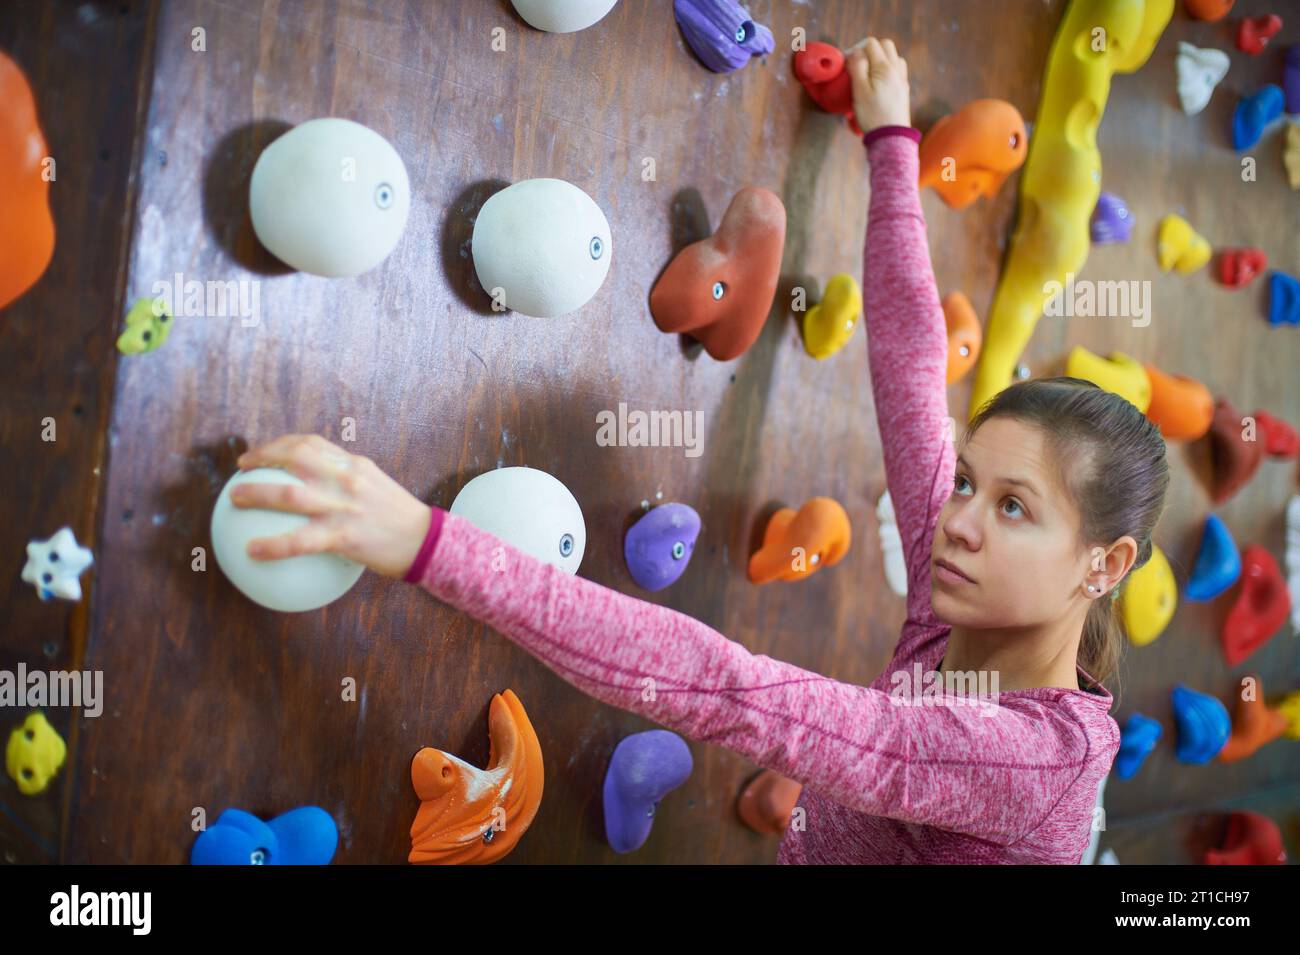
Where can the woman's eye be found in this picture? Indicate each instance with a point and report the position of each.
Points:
(957, 482)
(1016, 504)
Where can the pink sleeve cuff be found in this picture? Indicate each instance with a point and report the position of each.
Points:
(416, 572)
(880, 132)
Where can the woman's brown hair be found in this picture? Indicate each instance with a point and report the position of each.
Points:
(1112, 459)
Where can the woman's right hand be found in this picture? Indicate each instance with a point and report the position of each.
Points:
(880, 92)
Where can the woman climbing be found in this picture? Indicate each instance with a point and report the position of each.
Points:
(1014, 548)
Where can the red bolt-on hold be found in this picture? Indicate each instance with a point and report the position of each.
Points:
(1250, 839)
(1238, 267)
(1255, 32)
(1280, 439)
(1261, 606)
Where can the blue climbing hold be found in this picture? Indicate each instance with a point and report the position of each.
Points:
(1218, 564)
(303, 836)
(1283, 299)
(1253, 115)
(645, 767)
(1203, 725)
(1136, 741)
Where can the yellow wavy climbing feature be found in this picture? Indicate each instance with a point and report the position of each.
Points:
(1061, 179)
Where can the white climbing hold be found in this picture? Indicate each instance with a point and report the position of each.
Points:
(54, 566)
(891, 546)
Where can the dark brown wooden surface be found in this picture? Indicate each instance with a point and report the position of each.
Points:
(88, 66)
(213, 702)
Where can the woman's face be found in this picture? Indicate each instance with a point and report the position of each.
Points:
(1013, 529)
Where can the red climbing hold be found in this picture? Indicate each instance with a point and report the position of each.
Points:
(1261, 607)
(1255, 32)
(1238, 267)
(1233, 459)
(1250, 839)
(1280, 439)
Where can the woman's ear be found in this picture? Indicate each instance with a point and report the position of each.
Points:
(1112, 564)
(1108, 566)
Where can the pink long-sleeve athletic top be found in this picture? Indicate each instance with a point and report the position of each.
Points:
(884, 780)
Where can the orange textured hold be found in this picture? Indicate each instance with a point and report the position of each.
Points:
(475, 816)
(1181, 407)
(26, 226)
(1253, 725)
(964, 335)
(970, 153)
(796, 544)
(719, 290)
(1209, 10)
(767, 803)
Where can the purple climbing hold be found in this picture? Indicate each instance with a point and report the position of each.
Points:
(658, 547)
(1291, 78)
(1253, 115)
(1283, 299)
(645, 767)
(1111, 220)
(721, 33)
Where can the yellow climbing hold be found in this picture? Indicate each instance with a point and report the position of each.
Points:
(1149, 599)
(1181, 247)
(1290, 708)
(828, 326)
(34, 755)
(1120, 373)
(1291, 154)
(148, 324)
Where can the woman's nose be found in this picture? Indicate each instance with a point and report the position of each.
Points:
(962, 524)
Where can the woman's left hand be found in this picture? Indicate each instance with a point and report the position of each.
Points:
(355, 509)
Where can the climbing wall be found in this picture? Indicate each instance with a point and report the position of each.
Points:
(213, 702)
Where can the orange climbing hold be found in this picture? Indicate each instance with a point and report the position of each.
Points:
(26, 225)
(964, 335)
(797, 544)
(1181, 407)
(719, 290)
(1209, 10)
(475, 816)
(1254, 723)
(970, 153)
(768, 802)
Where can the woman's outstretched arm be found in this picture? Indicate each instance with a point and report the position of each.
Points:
(907, 340)
(953, 766)
(991, 772)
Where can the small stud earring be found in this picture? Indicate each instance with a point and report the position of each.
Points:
(1092, 589)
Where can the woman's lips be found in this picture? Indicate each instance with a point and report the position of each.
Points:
(949, 573)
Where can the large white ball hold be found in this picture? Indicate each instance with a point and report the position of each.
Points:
(291, 584)
(528, 509)
(330, 197)
(545, 244)
(562, 16)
